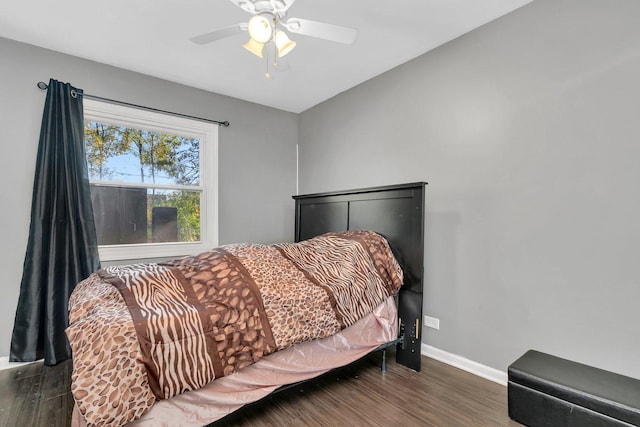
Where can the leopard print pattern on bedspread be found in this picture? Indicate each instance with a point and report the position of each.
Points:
(258, 299)
(108, 382)
(242, 333)
(298, 310)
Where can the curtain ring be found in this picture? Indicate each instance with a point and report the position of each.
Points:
(74, 93)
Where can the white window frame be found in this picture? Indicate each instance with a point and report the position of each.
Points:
(207, 133)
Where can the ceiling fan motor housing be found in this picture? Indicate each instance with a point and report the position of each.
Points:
(277, 8)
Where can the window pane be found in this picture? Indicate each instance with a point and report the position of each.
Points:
(175, 215)
(129, 215)
(118, 153)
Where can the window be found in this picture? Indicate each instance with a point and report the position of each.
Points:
(153, 179)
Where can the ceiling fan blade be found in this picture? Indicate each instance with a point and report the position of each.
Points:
(334, 33)
(221, 33)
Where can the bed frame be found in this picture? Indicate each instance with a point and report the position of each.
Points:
(397, 213)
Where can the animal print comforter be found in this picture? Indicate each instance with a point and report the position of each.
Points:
(151, 331)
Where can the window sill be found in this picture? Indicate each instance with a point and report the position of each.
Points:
(151, 250)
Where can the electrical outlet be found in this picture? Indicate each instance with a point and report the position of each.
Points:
(431, 322)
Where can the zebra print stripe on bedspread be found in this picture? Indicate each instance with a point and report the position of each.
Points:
(188, 337)
(169, 324)
(356, 268)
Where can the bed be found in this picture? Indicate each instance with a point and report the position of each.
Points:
(360, 224)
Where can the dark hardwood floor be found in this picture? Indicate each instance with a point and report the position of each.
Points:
(35, 395)
(355, 395)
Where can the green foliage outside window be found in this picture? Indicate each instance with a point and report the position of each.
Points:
(118, 154)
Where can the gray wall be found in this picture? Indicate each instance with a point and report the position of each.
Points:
(257, 154)
(528, 132)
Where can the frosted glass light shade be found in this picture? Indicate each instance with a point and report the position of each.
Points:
(283, 43)
(260, 28)
(254, 47)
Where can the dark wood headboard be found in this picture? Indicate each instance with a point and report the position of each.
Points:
(397, 213)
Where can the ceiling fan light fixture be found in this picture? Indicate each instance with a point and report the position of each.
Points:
(269, 30)
(254, 47)
(260, 28)
(283, 43)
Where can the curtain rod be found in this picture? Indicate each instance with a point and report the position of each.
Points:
(74, 93)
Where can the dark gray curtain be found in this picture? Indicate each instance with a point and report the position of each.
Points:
(62, 248)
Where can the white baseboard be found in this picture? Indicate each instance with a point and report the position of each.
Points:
(5, 364)
(465, 364)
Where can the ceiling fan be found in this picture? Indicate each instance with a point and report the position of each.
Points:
(266, 29)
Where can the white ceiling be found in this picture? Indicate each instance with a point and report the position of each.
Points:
(152, 37)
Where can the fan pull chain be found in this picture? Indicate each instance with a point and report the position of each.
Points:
(266, 74)
(275, 54)
(275, 51)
